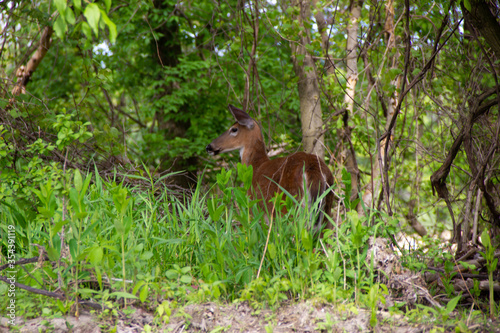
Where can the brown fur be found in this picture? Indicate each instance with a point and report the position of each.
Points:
(245, 135)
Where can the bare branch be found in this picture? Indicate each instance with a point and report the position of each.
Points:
(24, 73)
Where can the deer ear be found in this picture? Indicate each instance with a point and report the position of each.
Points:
(242, 117)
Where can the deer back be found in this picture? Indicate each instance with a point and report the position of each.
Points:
(292, 173)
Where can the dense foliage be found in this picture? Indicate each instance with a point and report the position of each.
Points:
(106, 109)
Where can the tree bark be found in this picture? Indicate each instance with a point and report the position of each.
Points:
(481, 18)
(479, 106)
(375, 185)
(308, 85)
(24, 73)
(350, 91)
(352, 53)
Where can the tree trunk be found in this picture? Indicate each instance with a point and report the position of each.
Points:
(350, 91)
(481, 18)
(352, 53)
(308, 85)
(24, 73)
(372, 192)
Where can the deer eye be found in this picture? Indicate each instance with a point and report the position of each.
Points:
(234, 130)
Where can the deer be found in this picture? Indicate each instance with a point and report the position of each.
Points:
(300, 174)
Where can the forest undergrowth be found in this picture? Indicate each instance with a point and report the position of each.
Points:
(101, 245)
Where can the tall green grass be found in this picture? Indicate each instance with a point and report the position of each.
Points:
(110, 241)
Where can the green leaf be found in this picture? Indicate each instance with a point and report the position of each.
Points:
(214, 212)
(300, 58)
(78, 180)
(160, 309)
(111, 26)
(146, 255)
(138, 286)
(87, 291)
(121, 294)
(485, 239)
(393, 72)
(69, 16)
(143, 295)
(89, 229)
(98, 275)
(61, 6)
(467, 5)
(20, 220)
(120, 228)
(52, 253)
(60, 28)
(223, 178)
(452, 304)
(93, 14)
(171, 274)
(86, 30)
(216, 292)
(73, 199)
(306, 240)
(336, 274)
(128, 221)
(467, 265)
(186, 279)
(95, 255)
(120, 200)
(57, 227)
(77, 4)
(73, 247)
(494, 265)
(271, 249)
(245, 174)
(108, 5)
(85, 186)
(346, 180)
(373, 319)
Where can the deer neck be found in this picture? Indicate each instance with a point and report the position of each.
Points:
(254, 154)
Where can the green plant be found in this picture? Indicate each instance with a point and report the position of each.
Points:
(123, 224)
(266, 290)
(449, 274)
(328, 324)
(491, 265)
(163, 312)
(69, 130)
(376, 294)
(442, 313)
(180, 280)
(110, 311)
(64, 306)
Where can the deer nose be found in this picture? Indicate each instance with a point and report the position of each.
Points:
(210, 149)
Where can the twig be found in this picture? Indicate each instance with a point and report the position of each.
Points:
(42, 291)
(267, 240)
(384, 164)
(34, 290)
(25, 261)
(467, 255)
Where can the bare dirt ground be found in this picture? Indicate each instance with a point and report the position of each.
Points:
(212, 317)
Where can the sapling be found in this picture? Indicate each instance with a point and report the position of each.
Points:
(491, 264)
